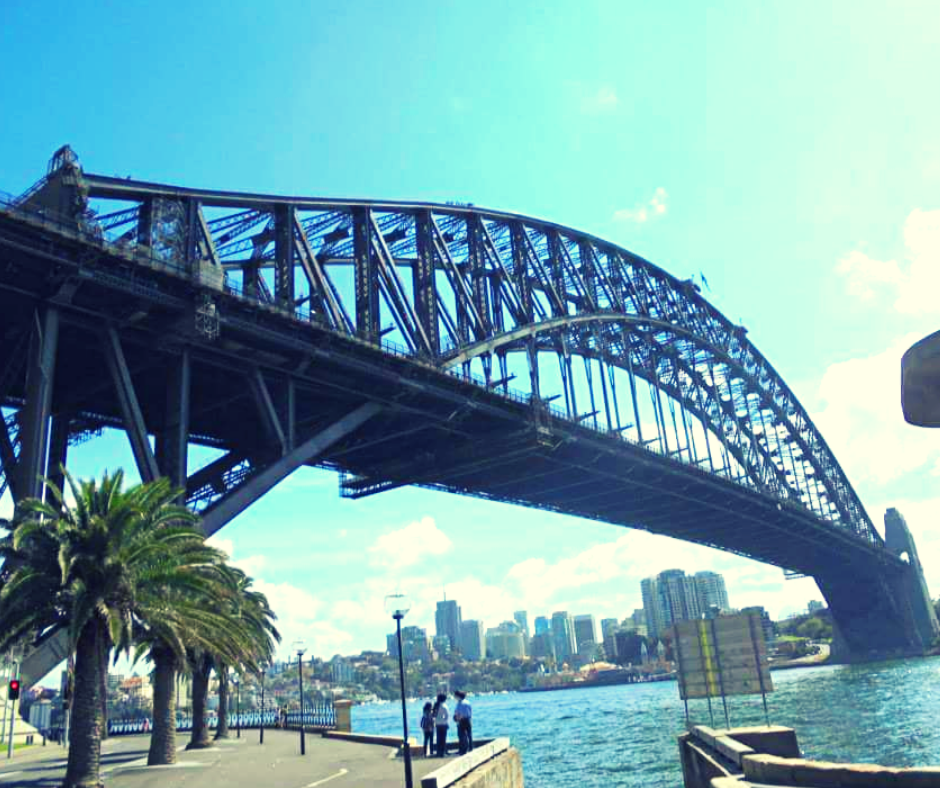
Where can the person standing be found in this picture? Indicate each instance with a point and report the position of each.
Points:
(463, 715)
(427, 726)
(441, 720)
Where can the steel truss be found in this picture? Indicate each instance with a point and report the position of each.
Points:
(629, 349)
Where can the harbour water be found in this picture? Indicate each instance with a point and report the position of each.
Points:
(626, 735)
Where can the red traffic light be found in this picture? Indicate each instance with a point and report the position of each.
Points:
(14, 689)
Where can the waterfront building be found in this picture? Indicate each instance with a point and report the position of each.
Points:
(767, 626)
(472, 641)
(415, 644)
(505, 641)
(342, 671)
(563, 635)
(441, 645)
(815, 606)
(712, 591)
(542, 645)
(585, 632)
(629, 647)
(609, 626)
(669, 597)
(447, 620)
(542, 625)
(521, 617)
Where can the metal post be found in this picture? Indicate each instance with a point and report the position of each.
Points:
(14, 673)
(261, 738)
(404, 709)
(238, 710)
(300, 673)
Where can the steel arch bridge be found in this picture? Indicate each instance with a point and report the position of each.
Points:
(476, 351)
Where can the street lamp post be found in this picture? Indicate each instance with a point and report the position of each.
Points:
(300, 647)
(263, 670)
(398, 605)
(238, 706)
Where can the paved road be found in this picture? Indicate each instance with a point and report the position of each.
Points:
(236, 763)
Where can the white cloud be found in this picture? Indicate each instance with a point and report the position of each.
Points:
(643, 212)
(409, 545)
(604, 99)
(862, 422)
(912, 283)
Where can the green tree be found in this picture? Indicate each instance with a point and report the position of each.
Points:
(252, 621)
(98, 567)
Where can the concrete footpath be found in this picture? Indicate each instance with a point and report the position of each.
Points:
(235, 763)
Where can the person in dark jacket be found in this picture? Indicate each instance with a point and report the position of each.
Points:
(427, 726)
(463, 715)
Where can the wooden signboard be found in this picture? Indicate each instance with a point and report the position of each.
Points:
(722, 656)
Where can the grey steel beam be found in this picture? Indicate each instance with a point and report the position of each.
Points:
(270, 421)
(425, 287)
(34, 426)
(284, 256)
(130, 407)
(367, 286)
(9, 459)
(225, 510)
(212, 473)
(172, 442)
(58, 449)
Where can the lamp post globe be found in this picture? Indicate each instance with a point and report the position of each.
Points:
(300, 648)
(397, 606)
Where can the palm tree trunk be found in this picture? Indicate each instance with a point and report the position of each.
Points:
(85, 734)
(163, 736)
(201, 671)
(221, 731)
(104, 655)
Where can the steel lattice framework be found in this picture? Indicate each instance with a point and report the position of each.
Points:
(474, 351)
(498, 296)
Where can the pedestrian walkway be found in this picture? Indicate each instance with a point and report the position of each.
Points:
(234, 763)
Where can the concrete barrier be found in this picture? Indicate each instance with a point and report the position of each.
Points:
(368, 738)
(770, 756)
(492, 765)
(801, 773)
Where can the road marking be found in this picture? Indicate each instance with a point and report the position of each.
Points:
(5, 775)
(340, 773)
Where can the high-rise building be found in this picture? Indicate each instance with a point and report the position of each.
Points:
(521, 617)
(442, 645)
(342, 671)
(472, 642)
(505, 641)
(542, 645)
(815, 606)
(585, 633)
(415, 644)
(629, 647)
(542, 626)
(712, 591)
(767, 626)
(563, 635)
(447, 620)
(609, 628)
(669, 597)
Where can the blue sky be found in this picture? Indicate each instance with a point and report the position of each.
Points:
(786, 150)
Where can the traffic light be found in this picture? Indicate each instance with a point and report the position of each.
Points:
(13, 689)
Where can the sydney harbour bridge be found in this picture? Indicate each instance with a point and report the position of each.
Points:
(401, 343)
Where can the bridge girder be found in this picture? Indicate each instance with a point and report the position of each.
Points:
(222, 309)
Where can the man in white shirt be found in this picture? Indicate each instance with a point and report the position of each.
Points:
(463, 715)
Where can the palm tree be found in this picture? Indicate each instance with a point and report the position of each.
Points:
(99, 567)
(251, 615)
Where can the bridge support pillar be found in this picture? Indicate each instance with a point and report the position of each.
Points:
(883, 613)
(37, 413)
